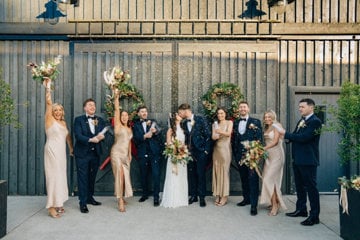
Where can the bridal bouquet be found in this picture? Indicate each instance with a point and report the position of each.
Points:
(178, 152)
(254, 152)
(48, 69)
(115, 77)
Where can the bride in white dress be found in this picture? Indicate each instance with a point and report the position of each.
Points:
(175, 192)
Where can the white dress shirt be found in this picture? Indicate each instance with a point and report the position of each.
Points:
(242, 125)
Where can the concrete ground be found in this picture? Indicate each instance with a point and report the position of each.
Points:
(27, 218)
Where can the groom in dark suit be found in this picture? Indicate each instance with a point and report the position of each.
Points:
(147, 139)
(197, 138)
(247, 128)
(305, 153)
(87, 151)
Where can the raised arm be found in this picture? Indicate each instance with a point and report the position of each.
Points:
(48, 101)
(117, 122)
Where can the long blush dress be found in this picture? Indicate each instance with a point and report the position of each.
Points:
(273, 171)
(221, 163)
(120, 161)
(55, 165)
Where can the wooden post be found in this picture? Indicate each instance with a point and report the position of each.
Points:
(3, 207)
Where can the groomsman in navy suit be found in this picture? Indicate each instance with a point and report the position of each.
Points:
(87, 151)
(147, 139)
(305, 153)
(247, 128)
(198, 141)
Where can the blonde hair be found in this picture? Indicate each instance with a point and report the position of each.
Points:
(58, 105)
(272, 116)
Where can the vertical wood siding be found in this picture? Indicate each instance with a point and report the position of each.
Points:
(167, 73)
(22, 150)
(301, 11)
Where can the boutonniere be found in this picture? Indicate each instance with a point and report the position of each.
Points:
(252, 126)
(301, 124)
(95, 122)
(148, 122)
(192, 122)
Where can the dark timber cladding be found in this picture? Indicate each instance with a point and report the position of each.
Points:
(174, 50)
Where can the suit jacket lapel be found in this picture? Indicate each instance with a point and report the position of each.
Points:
(86, 121)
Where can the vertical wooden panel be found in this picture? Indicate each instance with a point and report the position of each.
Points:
(309, 12)
(336, 58)
(211, 9)
(352, 61)
(328, 63)
(345, 62)
(319, 63)
(334, 11)
(325, 11)
(300, 64)
(309, 64)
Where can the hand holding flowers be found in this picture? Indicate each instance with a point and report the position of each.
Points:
(45, 70)
(254, 152)
(178, 152)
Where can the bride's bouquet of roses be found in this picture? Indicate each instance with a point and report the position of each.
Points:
(254, 153)
(178, 152)
(45, 69)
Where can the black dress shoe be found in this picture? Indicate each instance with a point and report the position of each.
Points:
(253, 211)
(156, 202)
(93, 202)
(202, 202)
(192, 200)
(310, 221)
(143, 199)
(297, 213)
(84, 209)
(243, 203)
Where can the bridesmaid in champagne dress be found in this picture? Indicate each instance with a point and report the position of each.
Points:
(57, 135)
(273, 168)
(221, 133)
(121, 154)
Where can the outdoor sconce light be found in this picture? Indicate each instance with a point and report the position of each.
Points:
(55, 9)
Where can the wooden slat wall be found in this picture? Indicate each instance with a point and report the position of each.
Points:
(167, 73)
(21, 156)
(308, 11)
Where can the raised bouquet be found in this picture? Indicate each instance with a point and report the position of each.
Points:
(48, 69)
(254, 153)
(178, 152)
(115, 76)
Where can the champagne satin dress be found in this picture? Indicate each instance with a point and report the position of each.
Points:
(273, 171)
(221, 163)
(55, 165)
(121, 162)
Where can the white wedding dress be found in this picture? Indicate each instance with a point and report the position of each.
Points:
(175, 192)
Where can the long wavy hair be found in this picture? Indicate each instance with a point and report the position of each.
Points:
(58, 105)
(272, 116)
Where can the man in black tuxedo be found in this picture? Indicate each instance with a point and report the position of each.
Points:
(305, 153)
(247, 128)
(147, 139)
(198, 141)
(88, 134)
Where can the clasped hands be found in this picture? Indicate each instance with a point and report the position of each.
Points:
(97, 138)
(150, 133)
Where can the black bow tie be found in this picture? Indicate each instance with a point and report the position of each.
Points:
(188, 120)
(303, 118)
(144, 120)
(94, 117)
(243, 119)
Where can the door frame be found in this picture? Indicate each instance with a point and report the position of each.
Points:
(291, 121)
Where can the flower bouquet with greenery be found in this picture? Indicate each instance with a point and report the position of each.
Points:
(178, 152)
(45, 69)
(253, 154)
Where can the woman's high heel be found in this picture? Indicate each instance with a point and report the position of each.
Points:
(53, 213)
(121, 205)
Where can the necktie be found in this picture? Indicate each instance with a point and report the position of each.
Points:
(91, 117)
(243, 119)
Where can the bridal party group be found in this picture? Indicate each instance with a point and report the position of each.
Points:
(192, 143)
